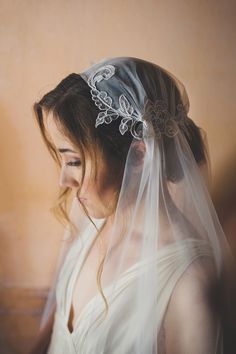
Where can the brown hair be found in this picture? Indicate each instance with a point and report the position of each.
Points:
(75, 112)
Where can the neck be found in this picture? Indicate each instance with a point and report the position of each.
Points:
(137, 227)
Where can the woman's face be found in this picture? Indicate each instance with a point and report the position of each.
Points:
(97, 195)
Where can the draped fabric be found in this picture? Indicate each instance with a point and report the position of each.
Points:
(166, 247)
(169, 264)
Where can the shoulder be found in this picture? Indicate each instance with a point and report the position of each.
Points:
(191, 316)
(197, 282)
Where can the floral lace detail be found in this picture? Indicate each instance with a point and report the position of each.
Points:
(155, 114)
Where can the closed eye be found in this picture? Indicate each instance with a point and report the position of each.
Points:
(74, 163)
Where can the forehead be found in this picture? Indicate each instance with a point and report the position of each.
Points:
(55, 133)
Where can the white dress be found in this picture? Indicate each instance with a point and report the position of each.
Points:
(83, 339)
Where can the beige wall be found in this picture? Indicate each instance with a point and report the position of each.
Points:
(43, 41)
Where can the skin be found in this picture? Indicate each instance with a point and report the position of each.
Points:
(190, 296)
(97, 195)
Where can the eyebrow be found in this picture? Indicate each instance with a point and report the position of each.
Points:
(66, 150)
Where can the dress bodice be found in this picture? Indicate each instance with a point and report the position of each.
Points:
(171, 262)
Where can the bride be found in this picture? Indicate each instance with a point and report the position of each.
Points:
(146, 248)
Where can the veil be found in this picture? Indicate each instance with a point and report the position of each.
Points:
(166, 248)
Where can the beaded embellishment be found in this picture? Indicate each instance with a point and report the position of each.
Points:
(154, 115)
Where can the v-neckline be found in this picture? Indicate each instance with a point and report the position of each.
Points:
(94, 297)
(91, 235)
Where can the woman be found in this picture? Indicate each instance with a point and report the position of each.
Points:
(147, 250)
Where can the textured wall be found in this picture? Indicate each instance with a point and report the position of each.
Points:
(43, 41)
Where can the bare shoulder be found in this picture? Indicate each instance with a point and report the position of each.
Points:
(195, 288)
(191, 319)
(197, 281)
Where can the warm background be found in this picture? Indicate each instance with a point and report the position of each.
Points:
(43, 41)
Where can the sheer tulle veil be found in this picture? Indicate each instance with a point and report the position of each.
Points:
(164, 205)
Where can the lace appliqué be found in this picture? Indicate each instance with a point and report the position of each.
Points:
(155, 117)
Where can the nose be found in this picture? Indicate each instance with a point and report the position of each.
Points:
(67, 180)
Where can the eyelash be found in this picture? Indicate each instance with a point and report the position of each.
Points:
(74, 163)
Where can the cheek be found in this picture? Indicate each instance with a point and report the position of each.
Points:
(99, 189)
(106, 185)
(104, 188)
(108, 182)
(85, 187)
(88, 188)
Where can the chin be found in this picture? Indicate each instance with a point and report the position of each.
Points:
(98, 214)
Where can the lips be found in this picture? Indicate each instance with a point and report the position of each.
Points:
(82, 199)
